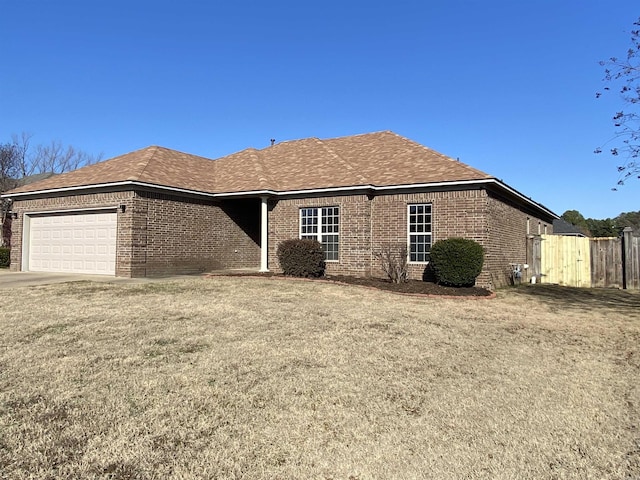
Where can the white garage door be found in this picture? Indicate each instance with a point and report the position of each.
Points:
(75, 243)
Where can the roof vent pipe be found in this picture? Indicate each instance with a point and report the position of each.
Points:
(273, 140)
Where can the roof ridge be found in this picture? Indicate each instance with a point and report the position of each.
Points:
(366, 134)
(338, 157)
(148, 155)
(443, 156)
(295, 140)
(263, 176)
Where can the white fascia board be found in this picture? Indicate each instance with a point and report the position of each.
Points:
(250, 193)
(386, 188)
(133, 183)
(311, 191)
(524, 198)
(374, 188)
(432, 184)
(66, 189)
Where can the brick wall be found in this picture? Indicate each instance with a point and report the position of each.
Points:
(454, 214)
(187, 236)
(160, 234)
(367, 223)
(508, 234)
(355, 231)
(50, 204)
(237, 233)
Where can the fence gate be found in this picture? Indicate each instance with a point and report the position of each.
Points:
(631, 261)
(585, 262)
(565, 260)
(606, 262)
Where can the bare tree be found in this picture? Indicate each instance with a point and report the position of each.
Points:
(19, 160)
(8, 166)
(9, 169)
(56, 158)
(21, 143)
(624, 75)
(393, 260)
(53, 157)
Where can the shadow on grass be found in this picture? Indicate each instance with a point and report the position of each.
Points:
(585, 298)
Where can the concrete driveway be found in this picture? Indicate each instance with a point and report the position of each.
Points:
(10, 279)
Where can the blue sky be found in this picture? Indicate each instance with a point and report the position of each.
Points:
(507, 86)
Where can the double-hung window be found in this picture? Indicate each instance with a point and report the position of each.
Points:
(322, 224)
(419, 232)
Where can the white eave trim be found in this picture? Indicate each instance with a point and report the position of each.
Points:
(524, 198)
(65, 189)
(133, 183)
(310, 191)
(374, 188)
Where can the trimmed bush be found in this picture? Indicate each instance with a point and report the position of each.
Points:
(301, 258)
(5, 259)
(457, 261)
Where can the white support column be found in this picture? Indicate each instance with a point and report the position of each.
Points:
(264, 236)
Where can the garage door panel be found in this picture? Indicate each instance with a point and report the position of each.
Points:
(80, 243)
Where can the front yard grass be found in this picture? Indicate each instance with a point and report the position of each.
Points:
(260, 378)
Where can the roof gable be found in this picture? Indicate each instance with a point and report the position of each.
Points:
(155, 165)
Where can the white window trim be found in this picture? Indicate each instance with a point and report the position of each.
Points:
(409, 205)
(319, 232)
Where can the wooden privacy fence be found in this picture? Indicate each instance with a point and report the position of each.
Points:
(631, 261)
(606, 262)
(585, 262)
(565, 260)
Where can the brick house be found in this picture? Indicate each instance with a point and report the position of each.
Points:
(157, 211)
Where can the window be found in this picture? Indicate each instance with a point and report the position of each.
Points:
(322, 224)
(419, 232)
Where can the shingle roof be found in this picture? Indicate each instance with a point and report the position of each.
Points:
(156, 165)
(36, 177)
(378, 159)
(562, 227)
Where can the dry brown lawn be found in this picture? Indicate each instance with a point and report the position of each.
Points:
(276, 379)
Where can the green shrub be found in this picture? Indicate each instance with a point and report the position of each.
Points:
(457, 261)
(301, 258)
(5, 259)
